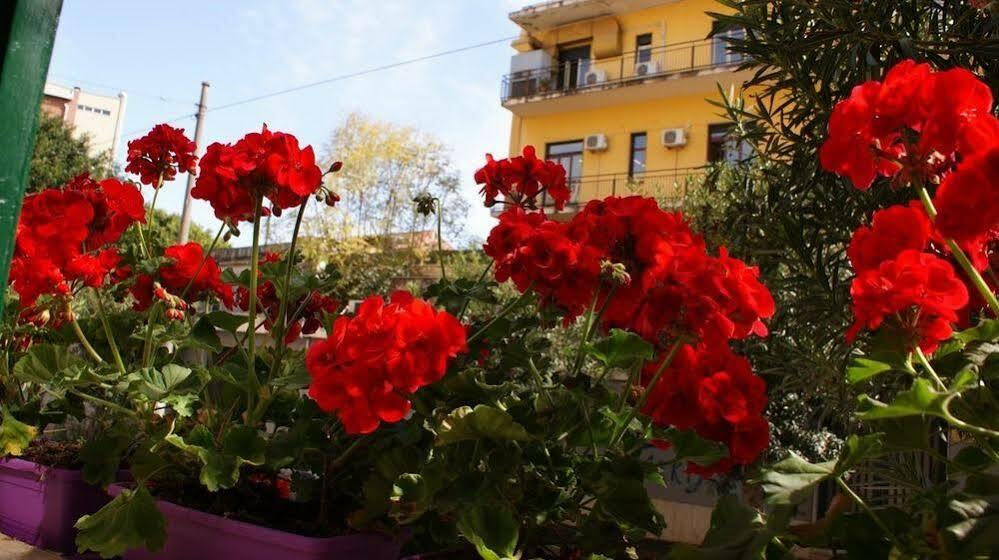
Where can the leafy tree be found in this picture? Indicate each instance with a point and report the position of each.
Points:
(790, 216)
(59, 156)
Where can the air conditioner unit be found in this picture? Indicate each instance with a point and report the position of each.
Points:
(596, 142)
(594, 77)
(648, 68)
(674, 137)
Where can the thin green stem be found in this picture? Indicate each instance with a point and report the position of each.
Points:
(929, 368)
(152, 205)
(961, 257)
(540, 382)
(102, 402)
(670, 355)
(251, 341)
(280, 324)
(632, 377)
(89, 348)
(346, 453)
(108, 332)
(863, 505)
(503, 313)
(440, 239)
(592, 320)
(147, 348)
(478, 282)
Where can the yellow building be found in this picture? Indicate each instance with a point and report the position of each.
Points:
(616, 91)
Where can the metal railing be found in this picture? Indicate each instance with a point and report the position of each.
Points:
(633, 67)
(669, 187)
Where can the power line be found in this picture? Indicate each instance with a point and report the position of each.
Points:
(359, 73)
(127, 90)
(330, 80)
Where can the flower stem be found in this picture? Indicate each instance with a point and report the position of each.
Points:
(503, 313)
(670, 355)
(147, 349)
(478, 282)
(283, 307)
(863, 505)
(929, 368)
(960, 256)
(440, 240)
(251, 341)
(108, 332)
(102, 402)
(83, 338)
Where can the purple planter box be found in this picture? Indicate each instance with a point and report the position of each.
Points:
(196, 534)
(39, 504)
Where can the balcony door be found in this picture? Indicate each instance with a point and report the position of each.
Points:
(570, 156)
(573, 64)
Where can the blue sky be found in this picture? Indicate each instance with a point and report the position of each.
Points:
(160, 52)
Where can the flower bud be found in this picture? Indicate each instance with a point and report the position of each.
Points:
(425, 203)
(615, 273)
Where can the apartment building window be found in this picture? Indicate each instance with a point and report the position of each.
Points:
(573, 64)
(723, 146)
(570, 156)
(639, 148)
(643, 48)
(720, 49)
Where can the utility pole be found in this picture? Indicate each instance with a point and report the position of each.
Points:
(199, 149)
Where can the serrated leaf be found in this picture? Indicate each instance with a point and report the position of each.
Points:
(919, 400)
(226, 321)
(621, 349)
(221, 464)
(482, 422)
(491, 529)
(131, 520)
(862, 369)
(204, 335)
(43, 362)
(101, 456)
(184, 405)
(688, 446)
(15, 435)
(791, 481)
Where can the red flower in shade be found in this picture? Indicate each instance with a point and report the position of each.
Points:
(184, 268)
(116, 207)
(372, 361)
(521, 179)
(305, 315)
(872, 131)
(714, 392)
(918, 288)
(967, 201)
(263, 164)
(892, 231)
(159, 155)
(92, 269)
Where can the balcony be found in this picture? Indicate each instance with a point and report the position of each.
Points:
(668, 186)
(678, 69)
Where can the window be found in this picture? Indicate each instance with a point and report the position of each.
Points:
(720, 51)
(573, 64)
(724, 147)
(570, 156)
(639, 147)
(643, 48)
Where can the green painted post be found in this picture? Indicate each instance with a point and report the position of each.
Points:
(27, 30)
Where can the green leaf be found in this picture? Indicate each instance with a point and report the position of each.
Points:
(14, 435)
(862, 369)
(973, 458)
(183, 405)
(156, 384)
(101, 456)
(625, 499)
(737, 532)
(919, 400)
(987, 330)
(492, 529)
(688, 446)
(621, 349)
(131, 520)
(791, 481)
(43, 362)
(482, 422)
(226, 321)
(220, 466)
(205, 336)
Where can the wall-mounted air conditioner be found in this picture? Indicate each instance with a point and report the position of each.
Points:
(648, 68)
(674, 137)
(594, 77)
(596, 142)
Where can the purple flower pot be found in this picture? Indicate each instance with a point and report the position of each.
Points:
(39, 504)
(196, 534)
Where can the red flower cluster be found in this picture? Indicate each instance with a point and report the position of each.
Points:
(187, 266)
(63, 233)
(919, 288)
(262, 164)
(521, 179)
(870, 132)
(670, 285)
(160, 155)
(714, 392)
(373, 361)
(306, 314)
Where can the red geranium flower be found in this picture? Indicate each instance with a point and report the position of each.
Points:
(263, 164)
(521, 179)
(967, 201)
(372, 361)
(182, 271)
(892, 231)
(159, 155)
(917, 292)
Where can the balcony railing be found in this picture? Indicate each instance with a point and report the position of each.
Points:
(633, 67)
(668, 186)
